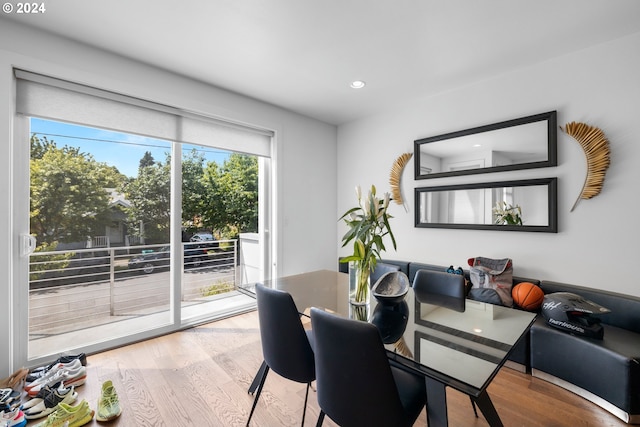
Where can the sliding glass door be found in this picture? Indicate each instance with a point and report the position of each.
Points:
(131, 233)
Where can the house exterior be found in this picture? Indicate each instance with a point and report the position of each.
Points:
(115, 233)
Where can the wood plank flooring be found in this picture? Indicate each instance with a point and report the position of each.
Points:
(199, 377)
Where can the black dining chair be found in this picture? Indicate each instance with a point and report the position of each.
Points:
(440, 288)
(356, 385)
(286, 346)
(443, 289)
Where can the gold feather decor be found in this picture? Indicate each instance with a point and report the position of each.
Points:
(395, 177)
(596, 149)
(401, 347)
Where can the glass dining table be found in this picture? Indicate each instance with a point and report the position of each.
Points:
(450, 348)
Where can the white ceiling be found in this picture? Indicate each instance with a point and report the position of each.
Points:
(302, 54)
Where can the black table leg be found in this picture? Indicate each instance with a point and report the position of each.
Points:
(488, 410)
(436, 403)
(258, 378)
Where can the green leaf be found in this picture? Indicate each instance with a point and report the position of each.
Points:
(386, 223)
(359, 249)
(347, 213)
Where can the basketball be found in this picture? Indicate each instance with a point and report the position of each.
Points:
(527, 296)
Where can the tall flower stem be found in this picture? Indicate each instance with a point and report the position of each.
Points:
(362, 284)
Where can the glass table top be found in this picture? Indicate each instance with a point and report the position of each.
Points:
(462, 349)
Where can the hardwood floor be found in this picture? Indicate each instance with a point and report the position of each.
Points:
(199, 377)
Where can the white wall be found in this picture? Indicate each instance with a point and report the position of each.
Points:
(597, 243)
(305, 222)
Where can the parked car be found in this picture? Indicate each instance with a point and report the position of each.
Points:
(194, 256)
(202, 236)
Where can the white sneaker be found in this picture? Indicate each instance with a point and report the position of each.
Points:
(50, 403)
(13, 418)
(73, 365)
(46, 390)
(70, 378)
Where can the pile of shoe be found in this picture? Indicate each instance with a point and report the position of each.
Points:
(52, 392)
(10, 413)
(52, 389)
(65, 415)
(70, 370)
(72, 373)
(51, 385)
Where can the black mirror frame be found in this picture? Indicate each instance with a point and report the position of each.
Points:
(552, 146)
(551, 183)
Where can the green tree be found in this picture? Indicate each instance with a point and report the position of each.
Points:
(231, 192)
(67, 193)
(220, 198)
(39, 146)
(193, 190)
(149, 195)
(146, 160)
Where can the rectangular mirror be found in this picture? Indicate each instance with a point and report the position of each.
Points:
(524, 143)
(525, 205)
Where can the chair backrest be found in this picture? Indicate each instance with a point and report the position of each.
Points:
(285, 345)
(355, 386)
(380, 270)
(440, 288)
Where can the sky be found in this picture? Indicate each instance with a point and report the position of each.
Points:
(121, 150)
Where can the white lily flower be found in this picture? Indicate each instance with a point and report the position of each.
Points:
(381, 209)
(358, 193)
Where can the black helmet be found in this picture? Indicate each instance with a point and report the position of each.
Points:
(572, 313)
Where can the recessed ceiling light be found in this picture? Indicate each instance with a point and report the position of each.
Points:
(357, 84)
(477, 145)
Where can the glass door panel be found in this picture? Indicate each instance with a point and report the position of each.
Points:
(100, 211)
(220, 212)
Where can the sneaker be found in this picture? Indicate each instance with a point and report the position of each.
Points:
(75, 416)
(9, 407)
(50, 403)
(9, 400)
(40, 371)
(108, 404)
(13, 418)
(69, 378)
(73, 365)
(8, 394)
(41, 394)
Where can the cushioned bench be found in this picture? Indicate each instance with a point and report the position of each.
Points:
(605, 372)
